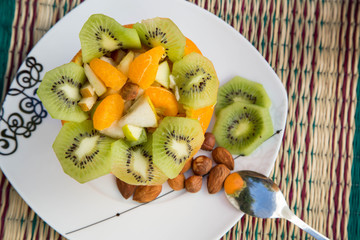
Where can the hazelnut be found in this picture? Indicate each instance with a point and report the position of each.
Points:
(209, 142)
(201, 165)
(129, 91)
(222, 155)
(177, 183)
(193, 184)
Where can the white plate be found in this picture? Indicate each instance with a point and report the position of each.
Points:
(27, 134)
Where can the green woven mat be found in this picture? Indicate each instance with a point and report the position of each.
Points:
(6, 18)
(314, 48)
(354, 219)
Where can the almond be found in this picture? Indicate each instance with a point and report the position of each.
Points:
(177, 183)
(216, 178)
(193, 184)
(145, 194)
(201, 165)
(223, 156)
(126, 190)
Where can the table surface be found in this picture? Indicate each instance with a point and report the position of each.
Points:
(313, 46)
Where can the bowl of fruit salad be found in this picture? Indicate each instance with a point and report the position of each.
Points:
(137, 103)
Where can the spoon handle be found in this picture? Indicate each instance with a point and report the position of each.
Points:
(290, 216)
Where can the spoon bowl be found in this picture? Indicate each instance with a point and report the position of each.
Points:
(258, 196)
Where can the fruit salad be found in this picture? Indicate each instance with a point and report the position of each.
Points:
(135, 101)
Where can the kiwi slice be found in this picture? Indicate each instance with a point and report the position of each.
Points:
(134, 164)
(242, 127)
(82, 151)
(101, 35)
(59, 92)
(174, 141)
(240, 89)
(196, 80)
(162, 31)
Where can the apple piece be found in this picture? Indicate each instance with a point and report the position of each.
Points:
(87, 90)
(172, 83)
(108, 60)
(134, 135)
(163, 73)
(177, 94)
(114, 131)
(97, 84)
(125, 63)
(142, 114)
(131, 132)
(87, 103)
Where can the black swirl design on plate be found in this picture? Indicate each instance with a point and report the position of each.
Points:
(30, 111)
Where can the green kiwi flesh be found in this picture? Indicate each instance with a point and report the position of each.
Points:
(174, 141)
(59, 92)
(134, 164)
(240, 89)
(101, 35)
(241, 127)
(82, 151)
(162, 31)
(196, 80)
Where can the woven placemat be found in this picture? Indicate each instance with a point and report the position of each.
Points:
(314, 48)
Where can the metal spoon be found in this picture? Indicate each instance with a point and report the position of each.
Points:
(258, 196)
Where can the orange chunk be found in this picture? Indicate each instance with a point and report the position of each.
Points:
(202, 114)
(107, 73)
(191, 47)
(128, 25)
(163, 100)
(63, 122)
(108, 111)
(143, 69)
(233, 183)
(78, 58)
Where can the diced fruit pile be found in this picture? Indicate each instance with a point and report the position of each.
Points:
(135, 101)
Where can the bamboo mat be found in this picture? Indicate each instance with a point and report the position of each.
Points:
(313, 46)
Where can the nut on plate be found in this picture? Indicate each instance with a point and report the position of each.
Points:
(209, 142)
(216, 178)
(193, 184)
(201, 165)
(177, 183)
(223, 156)
(126, 190)
(145, 194)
